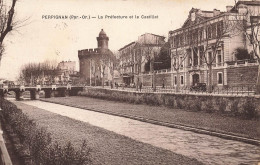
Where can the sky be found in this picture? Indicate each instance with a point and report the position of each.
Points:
(41, 39)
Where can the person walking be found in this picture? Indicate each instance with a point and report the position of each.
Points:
(163, 83)
(140, 86)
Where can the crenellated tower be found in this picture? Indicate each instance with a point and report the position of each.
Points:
(102, 40)
(90, 61)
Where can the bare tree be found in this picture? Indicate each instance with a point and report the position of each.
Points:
(106, 63)
(178, 57)
(38, 73)
(148, 51)
(210, 37)
(248, 23)
(6, 22)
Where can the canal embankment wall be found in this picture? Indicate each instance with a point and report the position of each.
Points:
(237, 105)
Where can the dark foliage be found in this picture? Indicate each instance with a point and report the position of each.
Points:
(38, 141)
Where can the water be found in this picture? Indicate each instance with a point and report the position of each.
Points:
(205, 148)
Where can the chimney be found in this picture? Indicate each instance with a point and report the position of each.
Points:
(216, 12)
(229, 8)
(242, 9)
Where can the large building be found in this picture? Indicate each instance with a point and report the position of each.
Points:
(209, 40)
(94, 63)
(136, 55)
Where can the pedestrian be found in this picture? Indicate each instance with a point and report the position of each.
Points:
(163, 83)
(140, 86)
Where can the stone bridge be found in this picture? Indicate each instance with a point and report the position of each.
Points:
(50, 90)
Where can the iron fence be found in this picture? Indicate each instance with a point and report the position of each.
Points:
(246, 89)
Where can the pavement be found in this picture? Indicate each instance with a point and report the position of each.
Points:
(204, 123)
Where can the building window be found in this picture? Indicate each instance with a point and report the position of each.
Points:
(175, 80)
(182, 80)
(209, 31)
(220, 78)
(219, 57)
(209, 57)
(181, 62)
(219, 29)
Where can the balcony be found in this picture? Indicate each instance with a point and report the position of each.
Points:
(248, 62)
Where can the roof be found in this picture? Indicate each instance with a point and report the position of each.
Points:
(102, 33)
(126, 46)
(154, 35)
(250, 3)
(255, 2)
(203, 19)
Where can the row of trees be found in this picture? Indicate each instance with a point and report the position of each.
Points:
(38, 73)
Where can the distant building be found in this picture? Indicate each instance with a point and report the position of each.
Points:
(91, 62)
(67, 65)
(205, 26)
(135, 55)
(66, 73)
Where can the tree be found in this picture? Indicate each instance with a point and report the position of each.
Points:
(178, 57)
(242, 54)
(210, 37)
(38, 73)
(149, 51)
(179, 53)
(163, 58)
(248, 23)
(107, 63)
(6, 22)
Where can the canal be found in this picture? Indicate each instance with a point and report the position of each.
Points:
(205, 148)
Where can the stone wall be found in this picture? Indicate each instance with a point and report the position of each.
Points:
(147, 79)
(242, 75)
(203, 102)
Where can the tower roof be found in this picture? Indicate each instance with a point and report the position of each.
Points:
(102, 33)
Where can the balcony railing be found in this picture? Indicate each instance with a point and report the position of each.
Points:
(242, 62)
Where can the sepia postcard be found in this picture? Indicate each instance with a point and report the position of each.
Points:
(129, 82)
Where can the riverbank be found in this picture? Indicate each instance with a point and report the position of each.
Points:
(202, 120)
(106, 147)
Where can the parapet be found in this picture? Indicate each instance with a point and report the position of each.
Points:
(86, 52)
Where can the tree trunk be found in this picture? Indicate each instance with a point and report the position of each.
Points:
(154, 77)
(103, 80)
(137, 82)
(210, 79)
(138, 75)
(178, 81)
(113, 80)
(258, 80)
(153, 73)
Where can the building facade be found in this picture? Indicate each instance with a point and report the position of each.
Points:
(203, 49)
(136, 56)
(66, 72)
(94, 63)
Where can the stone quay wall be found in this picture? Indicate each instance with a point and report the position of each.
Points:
(246, 106)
